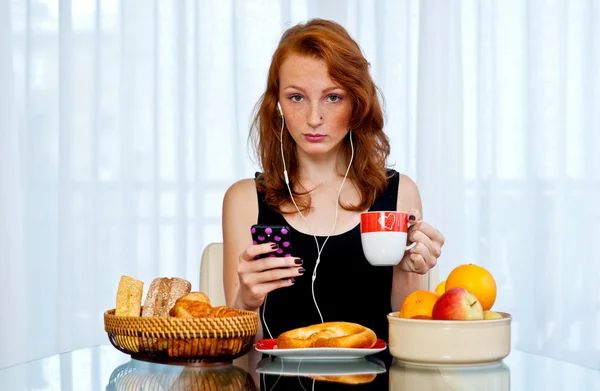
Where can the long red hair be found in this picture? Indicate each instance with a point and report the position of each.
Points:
(347, 67)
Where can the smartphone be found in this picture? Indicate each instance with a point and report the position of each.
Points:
(280, 234)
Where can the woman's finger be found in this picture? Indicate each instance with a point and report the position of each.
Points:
(418, 236)
(414, 215)
(435, 235)
(271, 275)
(416, 263)
(258, 292)
(260, 265)
(253, 251)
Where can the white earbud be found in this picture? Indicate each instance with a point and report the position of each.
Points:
(279, 109)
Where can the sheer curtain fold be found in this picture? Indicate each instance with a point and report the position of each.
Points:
(439, 126)
(13, 270)
(124, 122)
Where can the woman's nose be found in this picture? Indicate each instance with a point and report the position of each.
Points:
(315, 116)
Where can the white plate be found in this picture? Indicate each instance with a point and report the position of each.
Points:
(268, 346)
(277, 366)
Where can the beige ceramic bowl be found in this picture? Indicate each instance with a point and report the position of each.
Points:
(449, 342)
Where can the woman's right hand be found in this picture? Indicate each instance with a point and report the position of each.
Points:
(261, 276)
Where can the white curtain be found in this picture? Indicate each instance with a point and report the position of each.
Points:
(123, 122)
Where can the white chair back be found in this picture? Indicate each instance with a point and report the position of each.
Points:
(211, 274)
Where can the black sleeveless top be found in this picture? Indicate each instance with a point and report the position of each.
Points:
(347, 287)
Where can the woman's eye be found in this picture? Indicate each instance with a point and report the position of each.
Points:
(296, 98)
(333, 98)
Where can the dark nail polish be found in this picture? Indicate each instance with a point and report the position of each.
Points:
(411, 218)
(293, 280)
(274, 246)
(301, 270)
(298, 261)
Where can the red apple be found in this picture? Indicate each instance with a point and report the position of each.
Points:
(421, 317)
(457, 304)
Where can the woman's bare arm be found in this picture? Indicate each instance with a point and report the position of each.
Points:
(240, 212)
(404, 282)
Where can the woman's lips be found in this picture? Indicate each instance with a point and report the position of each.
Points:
(314, 137)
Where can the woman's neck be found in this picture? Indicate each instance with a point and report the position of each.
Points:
(323, 170)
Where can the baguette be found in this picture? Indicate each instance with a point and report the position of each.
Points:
(129, 297)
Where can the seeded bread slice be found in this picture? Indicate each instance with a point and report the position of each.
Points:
(179, 288)
(163, 293)
(129, 297)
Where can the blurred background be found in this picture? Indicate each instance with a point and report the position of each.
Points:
(123, 122)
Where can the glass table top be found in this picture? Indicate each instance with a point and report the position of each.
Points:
(105, 368)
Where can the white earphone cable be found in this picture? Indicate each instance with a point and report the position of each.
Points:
(319, 248)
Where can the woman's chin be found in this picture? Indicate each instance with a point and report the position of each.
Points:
(316, 150)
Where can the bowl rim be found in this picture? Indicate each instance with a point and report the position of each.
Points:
(506, 318)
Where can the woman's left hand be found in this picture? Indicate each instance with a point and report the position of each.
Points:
(424, 255)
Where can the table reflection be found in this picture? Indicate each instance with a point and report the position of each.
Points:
(361, 374)
(493, 377)
(272, 373)
(104, 368)
(139, 375)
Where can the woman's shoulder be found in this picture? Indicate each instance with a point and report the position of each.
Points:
(403, 180)
(243, 186)
(240, 195)
(409, 195)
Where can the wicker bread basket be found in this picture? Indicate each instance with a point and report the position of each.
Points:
(182, 340)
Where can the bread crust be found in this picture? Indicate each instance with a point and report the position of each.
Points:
(129, 297)
(197, 305)
(179, 288)
(328, 335)
(347, 379)
(162, 295)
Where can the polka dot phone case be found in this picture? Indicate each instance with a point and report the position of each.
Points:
(279, 234)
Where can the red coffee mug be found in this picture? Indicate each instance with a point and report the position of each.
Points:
(383, 236)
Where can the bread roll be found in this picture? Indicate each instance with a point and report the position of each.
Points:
(197, 305)
(347, 379)
(129, 297)
(328, 335)
(223, 312)
(162, 295)
(192, 305)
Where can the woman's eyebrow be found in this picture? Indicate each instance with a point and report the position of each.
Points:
(324, 91)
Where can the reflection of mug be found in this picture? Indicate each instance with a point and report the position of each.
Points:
(383, 237)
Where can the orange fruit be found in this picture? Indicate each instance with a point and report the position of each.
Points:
(441, 288)
(477, 280)
(418, 303)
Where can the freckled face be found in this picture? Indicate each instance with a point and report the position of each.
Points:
(316, 110)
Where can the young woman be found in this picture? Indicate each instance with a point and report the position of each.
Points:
(321, 117)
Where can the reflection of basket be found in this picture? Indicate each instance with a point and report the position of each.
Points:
(145, 376)
(182, 340)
